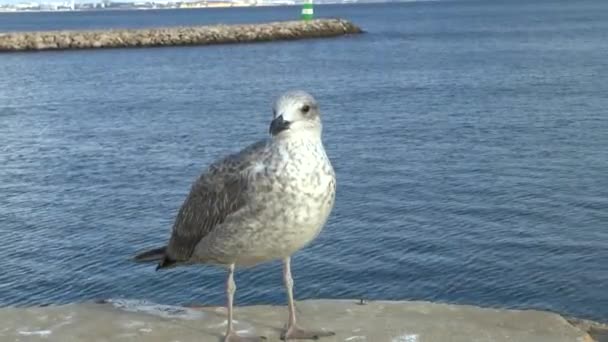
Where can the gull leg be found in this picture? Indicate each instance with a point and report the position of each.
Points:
(293, 330)
(231, 335)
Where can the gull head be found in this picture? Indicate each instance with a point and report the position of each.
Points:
(295, 112)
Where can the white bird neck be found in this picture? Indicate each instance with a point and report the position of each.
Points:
(300, 136)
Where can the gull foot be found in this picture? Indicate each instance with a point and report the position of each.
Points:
(297, 333)
(233, 337)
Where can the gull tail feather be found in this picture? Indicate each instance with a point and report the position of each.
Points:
(156, 254)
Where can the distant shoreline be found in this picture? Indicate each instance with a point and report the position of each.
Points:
(125, 9)
(129, 7)
(175, 36)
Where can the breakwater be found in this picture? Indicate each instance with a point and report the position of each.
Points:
(175, 36)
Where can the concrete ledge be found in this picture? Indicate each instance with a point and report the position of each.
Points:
(131, 320)
(195, 35)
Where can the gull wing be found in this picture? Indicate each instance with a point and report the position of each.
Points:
(217, 193)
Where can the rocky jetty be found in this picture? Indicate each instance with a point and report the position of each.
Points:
(174, 36)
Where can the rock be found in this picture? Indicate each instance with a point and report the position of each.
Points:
(63, 42)
(44, 46)
(376, 321)
(197, 35)
(597, 332)
(48, 39)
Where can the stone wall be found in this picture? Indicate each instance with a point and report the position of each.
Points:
(173, 36)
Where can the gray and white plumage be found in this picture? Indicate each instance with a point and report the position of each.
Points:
(263, 203)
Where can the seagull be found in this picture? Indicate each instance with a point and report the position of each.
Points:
(263, 203)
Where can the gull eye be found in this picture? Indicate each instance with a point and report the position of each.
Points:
(305, 109)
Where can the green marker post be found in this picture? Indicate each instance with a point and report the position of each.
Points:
(307, 11)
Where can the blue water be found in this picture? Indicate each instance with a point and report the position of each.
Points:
(470, 141)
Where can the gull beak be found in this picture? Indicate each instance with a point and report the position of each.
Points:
(278, 125)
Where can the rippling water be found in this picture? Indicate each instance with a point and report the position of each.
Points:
(470, 140)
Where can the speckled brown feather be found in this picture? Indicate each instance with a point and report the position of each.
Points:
(216, 194)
